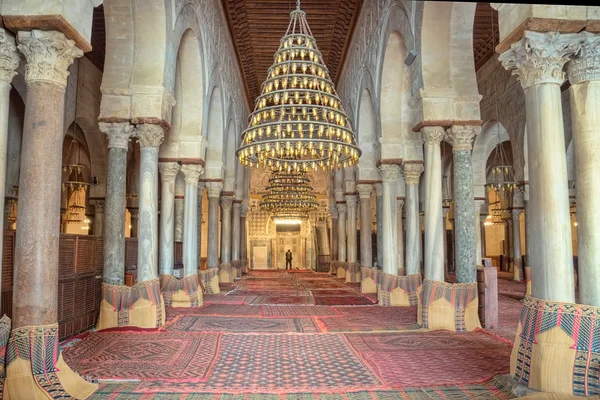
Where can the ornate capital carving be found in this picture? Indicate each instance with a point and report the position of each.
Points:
(539, 57)
(412, 173)
(150, 135)
(214, 189)
(226, 202)
(364, 190)
(9, 56)
(334, 212)
(168, 171)
(432, 134)
(48, 55)
(191, 173)
(98, 205)
(237, 206)
(389, 172)
(342, 208)
(585, 65)
(479, 204)
(350, 200)
(515, 214)
(461, 136)
(118, 133)
(378, 189)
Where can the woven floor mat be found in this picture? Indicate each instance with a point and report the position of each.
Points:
(216, 310)
(334, 292)
(355, 300)
(223, 298)
(282, 299)
(300, 311)
(371, 318)
(194, 323)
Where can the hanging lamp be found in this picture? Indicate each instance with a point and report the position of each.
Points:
(298, 123)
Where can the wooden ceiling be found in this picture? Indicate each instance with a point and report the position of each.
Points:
(257, 26)
(484, 37)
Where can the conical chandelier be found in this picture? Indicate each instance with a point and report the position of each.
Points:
(298, 123)
(289, 192)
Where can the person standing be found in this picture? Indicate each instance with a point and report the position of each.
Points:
(288, 259)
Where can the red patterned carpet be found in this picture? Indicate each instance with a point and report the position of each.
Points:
(369, 318)
(194, 323)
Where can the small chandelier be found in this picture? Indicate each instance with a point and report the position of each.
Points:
(289, 192)
(298, 123)
(289, 215)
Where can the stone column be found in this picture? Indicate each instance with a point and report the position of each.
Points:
(150, 137)
(168, 172)
(445, 240)
(482, 218)
(118, 135)
(538, 60)
(433, 253)
(351, 227)
(191, 175)
(214, 193)
(235, 230)
(516, 243)
(389, 174)
(134, 214)
(48, 55)
(584, 76)
(243, 235)
(478, 233)
(400, 236)
(341, 231)
(366, 252)
(379, 217)
(179, 206)
(334, 230)
(412, 172)
(99, 216)
(465, 246)
(525, 189)
(200, 194)
(226, 204)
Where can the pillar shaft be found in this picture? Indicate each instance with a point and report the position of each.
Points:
(150, 137)
(366, 252)
(134, 215)
(477, 224)
(118, 135)
(214, 192)
(538, 59)
(433, 253)
(445, 240)
(226, 204)
(412, 172)
(516, 245)
(200, 194)
(191, 175)
(341, 231)
(243, 235)
(35, 289)
(179, 215)
(389, 174)
(584, 76)
(379, 216)
(168, 172)
(235, 230)
(400, 237)
(351, 228)
(334, 231)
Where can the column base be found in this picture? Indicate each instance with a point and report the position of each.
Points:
(340, 271)
(141, 305)
(35, 369)
(237, 269)
(556, 348)
(448, 306)
(226, 273)
(527, 281)
(369, 280)
(399, 291)
(517, 269)
(353, 272)
(210, 280)
(245, 266)
(184, 292)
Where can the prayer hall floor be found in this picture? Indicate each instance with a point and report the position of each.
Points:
(297, 335)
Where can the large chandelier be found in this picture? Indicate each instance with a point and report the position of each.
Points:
(289, 193)
(298, 123)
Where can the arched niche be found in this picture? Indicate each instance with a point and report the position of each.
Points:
(367, 138)
(215, 136)
(492, 133)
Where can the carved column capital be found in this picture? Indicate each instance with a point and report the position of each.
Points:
(389, 172)
(461, 136)
(515, 214)
(226, 202)
(585, 65)
(48, 55)
(364, 190)
(334, 212)
(412, 173)
(432, 134)
(98, 205)
(341, 207)
(118, 133)
(150, 135)
(539, 57)
(214, 189)
(191, 173)
(9, 57)
(378, 189)
(168, 171)
(237, 206)
(350, 200)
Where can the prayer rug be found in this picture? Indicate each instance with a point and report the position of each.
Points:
(424, 359)
(168, 356)
(342, 300)
(281, 299)
(194, 323)
(367, 319)
(334, 292)
(224, 299)
(218, 310)
(300, 311)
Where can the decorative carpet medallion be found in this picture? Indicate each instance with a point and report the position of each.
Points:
(167, 356)
(193, 323)
(300, 311)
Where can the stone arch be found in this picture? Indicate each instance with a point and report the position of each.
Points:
(491, 132)
(367, 137)
(215, 135)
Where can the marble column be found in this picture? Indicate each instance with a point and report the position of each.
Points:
(235, 230)
(366, 252)
(584, 76)
(400, 236)
(389, 175)
(465, 247)
(179, 206)
(134, 215)
(214, 193)
(379, 219)
(341, 207)
(516, 245)
(118, 135)
(99, 216)
(478, 234)
(168, 173)
(243, 234)
(200, 194)
(538, 59)
(433, 253)
(482, 219)
(191, 174)
(35, 290)
(226, 204)
(412, 172)
(351, 227)
(150, 137)
(334, 231)
(445, 240)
